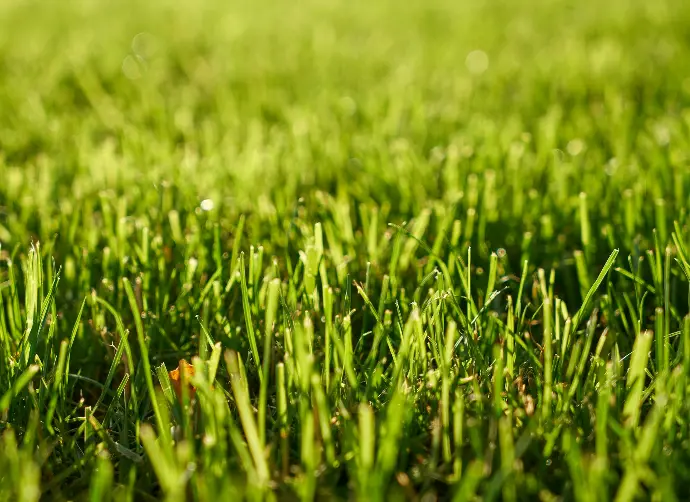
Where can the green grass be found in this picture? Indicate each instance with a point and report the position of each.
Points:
(413, 250)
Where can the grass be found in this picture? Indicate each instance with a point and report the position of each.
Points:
(412, 251)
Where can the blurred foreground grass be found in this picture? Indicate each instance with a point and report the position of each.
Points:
(413, 250)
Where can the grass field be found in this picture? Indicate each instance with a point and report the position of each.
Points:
(412, 250)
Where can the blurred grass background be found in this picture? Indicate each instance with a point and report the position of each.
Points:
(268, 94)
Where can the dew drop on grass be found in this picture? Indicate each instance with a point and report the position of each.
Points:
(558, 155)
(206, 204)
(132, 67)
(575, 147)
(144, 45)
(662, 135)
(477, 62)
(348, 105)
(611, 166)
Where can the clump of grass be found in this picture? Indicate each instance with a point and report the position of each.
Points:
(411, 252)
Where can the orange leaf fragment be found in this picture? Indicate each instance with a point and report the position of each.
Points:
(186, 371)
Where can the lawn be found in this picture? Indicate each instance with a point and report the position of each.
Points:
(344, 250)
